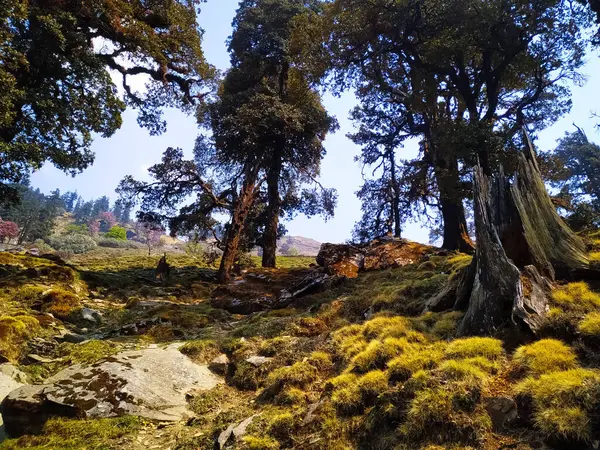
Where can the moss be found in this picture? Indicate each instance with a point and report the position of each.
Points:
(27, 295)
(259, 443)
(14, 333)
(292, 396)
(321, 361)
(60, 303)
(202, 351)
(544, 356)
(272, 347)
(87, 352)
(299, 374)
(376, 354)
(576, 296)
(309, 327)
(347, 400)
(445, 327)
(590, 325)
(382, 327)
(281, 425)
(475, 346)
(71, 434)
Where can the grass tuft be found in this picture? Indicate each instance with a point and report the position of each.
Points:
(544, 356)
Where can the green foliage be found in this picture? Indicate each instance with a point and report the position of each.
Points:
(49, 64)
(77, 229)
(118, 233)
(544, 356)
(73, 243)
(120, 243)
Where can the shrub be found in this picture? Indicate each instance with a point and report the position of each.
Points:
(73, 243)
(544, 356)
(475, 346)
(77, 229)
(118, 243)
(116, 232)
(590, 325)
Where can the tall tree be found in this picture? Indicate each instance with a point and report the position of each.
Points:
(464, 75)
(55, 63)
(288, 122)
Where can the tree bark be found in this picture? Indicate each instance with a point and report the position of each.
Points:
(522, 244)
(241, 209)
(456, 236)
(269, 243)
(396, 199)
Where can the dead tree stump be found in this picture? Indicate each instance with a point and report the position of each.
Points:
(522, 246)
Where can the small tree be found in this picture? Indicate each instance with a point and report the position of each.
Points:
(149, 233)
(8, 230)
(117, 232)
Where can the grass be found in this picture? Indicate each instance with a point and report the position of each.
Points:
(590, 325)
(71, 434)
(544, 356)
(576, 297)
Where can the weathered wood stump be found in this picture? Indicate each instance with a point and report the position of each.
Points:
(522, 246)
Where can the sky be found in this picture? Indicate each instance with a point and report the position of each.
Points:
(131, 150)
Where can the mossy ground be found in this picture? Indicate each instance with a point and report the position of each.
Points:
(355, 367)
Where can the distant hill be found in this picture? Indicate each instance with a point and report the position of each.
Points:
(297, 245)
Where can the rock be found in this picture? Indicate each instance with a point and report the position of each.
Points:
(12, 372)
(242, 306)
(312, 283)
(150, 383)
(8, 383)
(219, 364)
(91, 315)
(40, 359)
(32, 273)
(341, 259)
(234, 432)
(258, 361)
(348, 260)
(502, 411)
(67, 336)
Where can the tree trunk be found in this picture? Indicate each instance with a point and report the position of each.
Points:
(269, 243)
(456, 236)
(241, 210)
(396, 199)
(522, 244)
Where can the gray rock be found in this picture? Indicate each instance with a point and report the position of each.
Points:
(234, 432)
(67, 336)
(219, 364)
(91, 315)
(10, 378)
(502, 411)
(150, 383)
(11, 371)
(258, 361)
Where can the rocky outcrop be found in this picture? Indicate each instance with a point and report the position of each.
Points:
(348, 260)
(11, 378)
(150, 383)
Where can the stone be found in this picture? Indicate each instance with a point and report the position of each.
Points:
(10, 379)
(341, 259)
(502, 411)
(67, 336)
(258, 361)
(312, 283)
(219, 365)
(91, 315)
(242, 306)
(234, 432)
(150, 383)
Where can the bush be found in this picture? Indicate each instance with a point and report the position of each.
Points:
(118, 243)
(547, 355)
(77, 229)
(73, 243)
(116, 232)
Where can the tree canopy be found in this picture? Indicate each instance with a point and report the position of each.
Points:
(60, 62)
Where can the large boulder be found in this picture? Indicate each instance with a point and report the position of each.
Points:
(150, 383)
(11, 378)
(348, 260)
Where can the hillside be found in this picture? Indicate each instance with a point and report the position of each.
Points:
(297, 245)
(289, 358)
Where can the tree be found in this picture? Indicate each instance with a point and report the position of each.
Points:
(8, 230)
(83, 211)
(149, 233)
(463, 76)
(34, 213)
(56, 59)
(70, 200)
(279, 110)
(101, 205)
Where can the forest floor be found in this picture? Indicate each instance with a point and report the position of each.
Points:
(357, 366)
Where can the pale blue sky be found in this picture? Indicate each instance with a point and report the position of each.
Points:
(132, 150)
